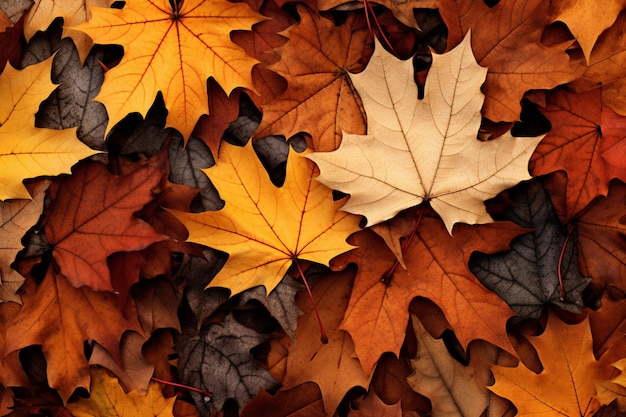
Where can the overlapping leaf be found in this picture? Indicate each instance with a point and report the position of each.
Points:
(424, 150)
(172, 50)
(27, 151)
(264, 228)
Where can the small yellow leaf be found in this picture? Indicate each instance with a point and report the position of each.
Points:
(108, 399)
(27, 151)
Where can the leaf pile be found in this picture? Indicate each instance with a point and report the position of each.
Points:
(284, 208)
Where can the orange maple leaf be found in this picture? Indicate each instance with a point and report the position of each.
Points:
(264, 228)
(172, 50)
(91, 217)
(565, 387)
(60, 318)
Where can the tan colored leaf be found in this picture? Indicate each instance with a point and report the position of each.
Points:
(423, 150)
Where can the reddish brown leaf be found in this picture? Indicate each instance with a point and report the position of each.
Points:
(372, 406)
(304, 400)
(91, 217)
(60, 318)
(437, 269)
(506, 39)
(583, 133)
(608, 328)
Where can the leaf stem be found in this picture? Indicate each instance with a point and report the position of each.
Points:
(323, 336)
(187, 387)
(369, 9)
(387, 276)
(570, 228)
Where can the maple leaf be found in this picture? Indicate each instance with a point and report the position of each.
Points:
(453, 389)
(506, 38)
(73, 12)
(333, 365)
(60, 318)
(86, 227)
(424, 150)
(27, 151)
(574, 13)
(601, 231)
(16, 217)
(264, 228)
(436, 269)
(527, 277)
(172, 50)
(583, 133)
(319, 88)
(565, 386)
(108, 399)
(218, 360)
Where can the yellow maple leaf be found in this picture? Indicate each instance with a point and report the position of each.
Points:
(73, 12)
(25, 150)
(108, 399)
(264, 228)
(418, 150)
(172, 51)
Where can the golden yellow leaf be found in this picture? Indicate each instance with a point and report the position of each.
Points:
(614, 389)
(264, 228)
(172, 51)
(73, 12)
(27, 151)
(108, 399)
(418, 150)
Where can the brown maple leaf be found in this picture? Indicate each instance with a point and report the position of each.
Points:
(436, 269)
(583, 133)
(91, 217)
(319, 88)
(506, 38)
(60, 318)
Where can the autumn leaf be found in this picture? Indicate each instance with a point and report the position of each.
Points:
(16, 217)
(424, 150)
(530, 275)
(437, 269)
(218, 360)
(372, 406)
(319, 88)
(84, 228)
(172, 50)
(60, 318)
(333, 365)
(73, 12)
(583, 133)
(264, 228)
(304, 400)
(107, 398)
(27, 151)
(565, 386)
(575, 12)
(507, 38)
(614, 389)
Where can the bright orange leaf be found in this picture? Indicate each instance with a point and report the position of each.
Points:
(264, 229)
(84, 228)
(172, 50)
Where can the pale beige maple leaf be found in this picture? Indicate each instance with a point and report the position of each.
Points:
(423, 150)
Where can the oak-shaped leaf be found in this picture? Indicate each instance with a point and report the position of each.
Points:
(316, 69)
(264, 228)
(372, 406)
(615, 388)
(527, 276)
(453, 388)
(91, 217)
(16, 217)
(333, 366)
(218, 360)
(507, 38)
(437, 269)
(601, 232)
(565, 387)
(107, 398)
(423, 150)
(60, 318)
(584, 132)
(25, 150)
(173, 48)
